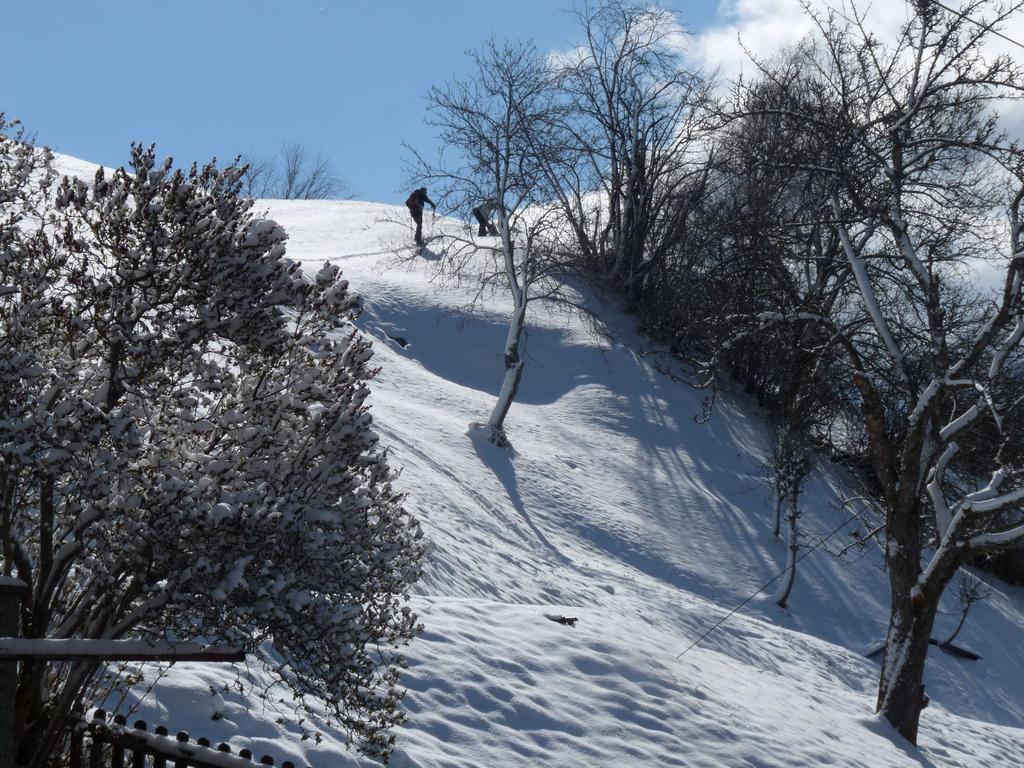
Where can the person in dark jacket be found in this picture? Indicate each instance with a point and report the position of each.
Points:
(415, 204)
(482, 214)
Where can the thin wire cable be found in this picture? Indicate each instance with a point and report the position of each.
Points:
(767, 584)
(986, 27)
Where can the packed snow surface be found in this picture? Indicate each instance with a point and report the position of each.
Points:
(617, 508)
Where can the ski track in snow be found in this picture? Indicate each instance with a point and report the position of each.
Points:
(615, 507)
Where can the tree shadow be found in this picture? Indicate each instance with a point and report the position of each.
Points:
(499, 461)
(880, 727)
(467, 349)
(428, 254)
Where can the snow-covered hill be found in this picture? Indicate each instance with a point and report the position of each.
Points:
(617, 508)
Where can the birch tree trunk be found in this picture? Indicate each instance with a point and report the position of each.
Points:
(777, 510)
(513, 360)
(792, 524)
(513, 375)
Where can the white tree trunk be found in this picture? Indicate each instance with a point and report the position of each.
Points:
(513, 361)
(792, 521)
(513, 372)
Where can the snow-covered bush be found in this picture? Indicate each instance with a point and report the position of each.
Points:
(187, 452)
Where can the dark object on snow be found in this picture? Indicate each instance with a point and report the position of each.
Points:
(567, 620)
(482, 213)
(399, 340)
(415, 204)
(956, 650)
(950, 648)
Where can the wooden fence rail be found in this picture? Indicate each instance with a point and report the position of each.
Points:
(100, 743)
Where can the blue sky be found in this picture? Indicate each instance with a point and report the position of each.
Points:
(218, 77)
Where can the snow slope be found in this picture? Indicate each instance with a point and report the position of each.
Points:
(616, 508)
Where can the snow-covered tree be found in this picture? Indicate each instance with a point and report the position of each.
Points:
(186, 448)
(914, 170)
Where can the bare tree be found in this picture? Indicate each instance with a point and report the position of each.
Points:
(970, 590)
(637, 121)
(292, 174)
(777, 257)
(260, 179)
(915, 165)
(791, 464)
(496, 126)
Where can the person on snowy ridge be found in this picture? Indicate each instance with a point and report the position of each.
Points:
(482, 213)
(415, 203)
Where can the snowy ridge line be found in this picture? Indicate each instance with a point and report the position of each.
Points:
(767, 584)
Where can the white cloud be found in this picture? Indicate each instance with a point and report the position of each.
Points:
(765, 27)
(1011, 116)
(762, 27)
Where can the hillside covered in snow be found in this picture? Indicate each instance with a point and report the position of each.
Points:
(617, 508)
